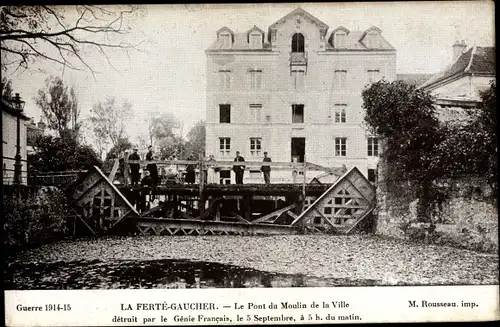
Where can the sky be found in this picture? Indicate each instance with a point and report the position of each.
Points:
(168, 74)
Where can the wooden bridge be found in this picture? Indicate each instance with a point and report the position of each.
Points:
(214, 209)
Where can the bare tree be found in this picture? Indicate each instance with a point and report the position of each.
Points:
(59, 105)
(61, 34)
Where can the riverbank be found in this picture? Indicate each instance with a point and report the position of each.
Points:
(358, 257)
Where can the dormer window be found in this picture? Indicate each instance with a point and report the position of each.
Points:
(255, 41)
(371, 37)
(225, 37)
(226, 40)
(340, 39)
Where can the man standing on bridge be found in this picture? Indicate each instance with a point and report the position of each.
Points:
(135, 167)
(266, 170)
(239, 170)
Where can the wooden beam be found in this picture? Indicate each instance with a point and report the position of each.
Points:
(201, 201)
(274, 213)
(112, 174)
(294, 216)
(349, 229)
(324, 217)
(125, 169)
(240, 218)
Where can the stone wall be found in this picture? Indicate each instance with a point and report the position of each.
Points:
(466, 217)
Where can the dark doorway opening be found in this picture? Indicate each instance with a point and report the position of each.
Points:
(298, 148)
(298, 42)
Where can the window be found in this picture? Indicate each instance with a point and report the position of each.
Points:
(255, 113)
(373, 75)
(255, 146)
(372, 147)
(372, 177)
(340, 40)
(340, 78)
(224, 113)
(225, 79)
(298, 42)
(226, 41)
(297, 113)
(224, 146)
(340, 112)
(255, 41)
(340, 146)
(255, 78)
(298, 79)
(225, 177)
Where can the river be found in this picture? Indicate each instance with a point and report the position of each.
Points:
(244, 261)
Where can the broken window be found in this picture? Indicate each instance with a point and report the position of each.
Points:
(255, 146)
(255, 76)
(297, 113)
(255, 113)
(340, 112)
(225, 113)
(372, 147)
(224, 146)
(225, 79)
(340, 146)
(298, 79)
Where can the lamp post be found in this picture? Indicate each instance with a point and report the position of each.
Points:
(18, 106)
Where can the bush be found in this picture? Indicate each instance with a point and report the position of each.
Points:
(35, 220)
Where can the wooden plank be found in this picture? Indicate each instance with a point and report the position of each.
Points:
(88, 183)
(240, 218)
(273, 214)
(87, 225)
(294, 216)
(324, 217)
(349, 229)
(125, 169)
(112, 174)
(264, 229)
(201, 201)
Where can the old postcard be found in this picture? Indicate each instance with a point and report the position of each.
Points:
(288, 163)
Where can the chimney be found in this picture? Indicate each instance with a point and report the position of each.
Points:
(458, 49)
(41, 125)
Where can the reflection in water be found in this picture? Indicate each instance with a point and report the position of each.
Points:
(155, 274)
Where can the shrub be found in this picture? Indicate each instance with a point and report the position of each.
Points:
(37, 219)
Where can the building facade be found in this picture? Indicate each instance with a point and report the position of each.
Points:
(9, 139)
(294, 92)
(460, 84)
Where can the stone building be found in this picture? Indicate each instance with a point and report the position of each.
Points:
(294, 92)
(458, 86)
(10, 115)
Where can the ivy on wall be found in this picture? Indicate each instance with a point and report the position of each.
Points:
(419, 149)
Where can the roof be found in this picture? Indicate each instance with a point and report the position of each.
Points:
(302, 12)
(476, 60)
(240, 44)
(352, 41)
(413, 79)
(255, 28)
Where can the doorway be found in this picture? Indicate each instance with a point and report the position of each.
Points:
(298, 148)
(298, 42)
